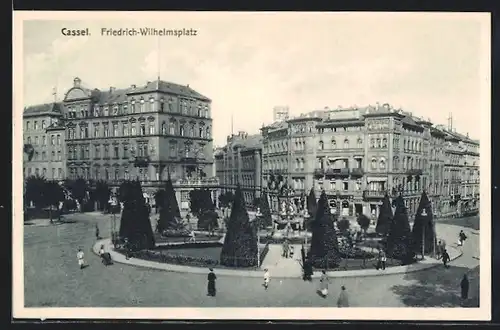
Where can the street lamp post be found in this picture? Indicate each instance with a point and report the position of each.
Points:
(424, 214)
(258, 216)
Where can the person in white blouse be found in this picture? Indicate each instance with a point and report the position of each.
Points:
(80, 256)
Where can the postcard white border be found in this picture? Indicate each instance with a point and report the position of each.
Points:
(434, 314)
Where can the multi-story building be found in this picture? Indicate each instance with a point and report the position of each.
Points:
(148, 132)
(356, 155)
(461, 174)
(44, 145)
(240, 161)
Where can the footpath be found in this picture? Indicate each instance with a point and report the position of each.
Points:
(290, 268)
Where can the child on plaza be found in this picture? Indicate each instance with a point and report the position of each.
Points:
(446, 258)
(267, 278)
(323, 284)
(461, 238)
(80, 255)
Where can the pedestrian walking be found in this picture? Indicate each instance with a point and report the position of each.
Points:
(343, 300)
(128, 248)
(439, 250)
(464, 286)
(267, 278)
(446, 258)
(461, 238)
(323, 284)
(101, 250)
(211, 283)
(382, 259)
(80, 256)
(192, 239)
(97, 231)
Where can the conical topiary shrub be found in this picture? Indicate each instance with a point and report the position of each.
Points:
(240, 242)
(135, 224)
(324, 244)
(312, 206)
(266, 220)
(423, 227)
(399, 243)
(385, 217)
(170, 217)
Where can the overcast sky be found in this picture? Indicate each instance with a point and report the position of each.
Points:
(248, 63)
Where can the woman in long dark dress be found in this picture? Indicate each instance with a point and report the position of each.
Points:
(211, 283)
(464, 285)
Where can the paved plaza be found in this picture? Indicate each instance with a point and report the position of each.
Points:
(52, 277)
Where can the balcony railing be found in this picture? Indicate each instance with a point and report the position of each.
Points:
(414, 172)
(367, 194)
(319, 172)
(357, 172)
(337, 172)
(141, 161)
(198, 182)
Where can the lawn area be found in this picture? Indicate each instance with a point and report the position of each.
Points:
(212, 253)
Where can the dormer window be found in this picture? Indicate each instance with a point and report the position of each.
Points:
(96, 111)
(106, 111)
(142, 105)
(132, 106)
(115, 110)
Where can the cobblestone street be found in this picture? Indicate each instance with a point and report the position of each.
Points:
(52, 278)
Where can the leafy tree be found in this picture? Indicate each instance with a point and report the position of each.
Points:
(240, 243)
(226, 199)
(53, 194)
(170, 215)
(385, 217)
(29, 150)
(34, 191)
(266, 220)
(200, 201)
(102, 192)
(208, 220)
(423, 227)
(135, 224)
(399, 243)
(324, 243)
(343, 226)
(364, 222)
(79, 189)
(312, 206)
(160, 197)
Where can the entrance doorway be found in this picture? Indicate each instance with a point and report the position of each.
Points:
(358, 208)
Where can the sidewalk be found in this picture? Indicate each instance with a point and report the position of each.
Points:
(284, 272)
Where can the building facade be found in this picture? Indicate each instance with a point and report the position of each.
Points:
(240, 162)
(44, 141)
(147, 132)
(356, 155)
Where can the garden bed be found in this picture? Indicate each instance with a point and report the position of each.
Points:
(204, 255)
(185, 239)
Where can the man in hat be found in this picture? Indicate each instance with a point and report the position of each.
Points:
(343, 300)
(267, 277)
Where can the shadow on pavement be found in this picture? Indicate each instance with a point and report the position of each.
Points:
(439, 287)
(468, 222)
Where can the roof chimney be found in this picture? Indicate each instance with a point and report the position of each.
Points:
(467, 134)
(112, 89)
(187, 85)
(77, 82)
(133, 86)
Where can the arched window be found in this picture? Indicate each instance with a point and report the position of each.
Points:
(378, 143)
(382, 164)
(346, 144)
(374, 163)
(163, 128)
(172, 127)
(143, 129)
(200, 131)
(360, 143)
(208, 133)
(334, 144)
(151, 128)
(43, 124)
(321, 145)
(395, 163)
(384, 143)
(181, 129)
